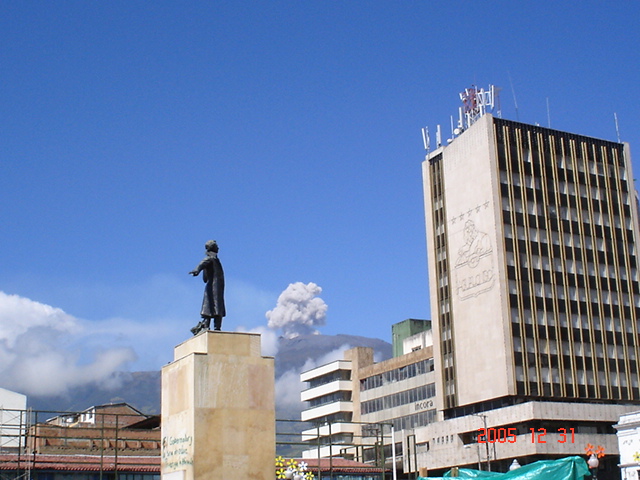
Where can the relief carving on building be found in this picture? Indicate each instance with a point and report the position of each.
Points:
(474, 269)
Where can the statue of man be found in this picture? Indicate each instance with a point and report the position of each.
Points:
(213, 300)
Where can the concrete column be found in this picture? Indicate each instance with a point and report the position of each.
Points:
(218, 410)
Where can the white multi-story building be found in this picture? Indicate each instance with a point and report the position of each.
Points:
(330, 402)
(12, 419)
(357, 403)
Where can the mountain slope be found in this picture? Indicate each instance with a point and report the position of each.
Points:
(142, 389)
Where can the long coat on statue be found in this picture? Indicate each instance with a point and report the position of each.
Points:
(213, 276)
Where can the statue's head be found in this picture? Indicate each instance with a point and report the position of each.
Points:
(470, 231)
(211, 246)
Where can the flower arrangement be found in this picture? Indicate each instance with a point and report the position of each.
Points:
(597, 451)
(292, 470)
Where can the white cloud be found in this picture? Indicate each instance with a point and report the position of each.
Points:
(150, 315)
(18, 315)
(43, 349)
(288, 387)
(298, 310)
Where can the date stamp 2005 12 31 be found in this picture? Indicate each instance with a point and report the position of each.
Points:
(508, 435)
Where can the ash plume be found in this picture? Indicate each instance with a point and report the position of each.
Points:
(298, 310)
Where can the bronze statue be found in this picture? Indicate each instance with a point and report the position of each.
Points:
(213, 301)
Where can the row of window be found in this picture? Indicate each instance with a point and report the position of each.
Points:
(414, 421)
(567, 267)
(540, 213)
(558, 151)
(586, 347)
(339, 417)
(576, 238)
(442, 272)
(584, 368)
(549, 341)
(407, 422)
(387, 402)
(341, 396)
(610, 243)
(546, 286)
(598, 197)
(398, 374)
(562, 187)
(330, 377)
(340, 438)
(576, 391)
(594, 307)
(543, 324)
(620, 256)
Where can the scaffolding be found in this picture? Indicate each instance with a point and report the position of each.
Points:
(106, 444)
(371, 445)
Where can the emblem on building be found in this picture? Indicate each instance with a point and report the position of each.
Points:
(474, 264)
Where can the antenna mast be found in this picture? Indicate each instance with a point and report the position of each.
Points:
(515, 102)
(548, 114)
(475, 103)
(615, 116)
(426, 140)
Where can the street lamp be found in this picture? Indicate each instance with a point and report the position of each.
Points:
(593, 463)
(484, 422)
(514, 465)
(594, 454)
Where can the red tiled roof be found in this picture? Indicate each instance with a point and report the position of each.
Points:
(81, 463)
(339, 464)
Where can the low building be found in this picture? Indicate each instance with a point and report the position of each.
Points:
(105, 441)
(105, 428)
(411, 331)
(342, 469)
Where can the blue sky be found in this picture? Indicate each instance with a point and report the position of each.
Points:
(289, 131)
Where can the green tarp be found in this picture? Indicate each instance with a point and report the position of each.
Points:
(569, 468)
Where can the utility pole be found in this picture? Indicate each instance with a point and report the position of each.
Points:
(486, 443)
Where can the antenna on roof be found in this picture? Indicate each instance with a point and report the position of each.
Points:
(615, 117)
(515, 102)
(475, 103)
(449, 140)
(548, 114)
(425, 139)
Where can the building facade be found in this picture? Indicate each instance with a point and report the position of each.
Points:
(365, 410)
(408, 330)
(329, 397)
(535, 292)
(107, 442)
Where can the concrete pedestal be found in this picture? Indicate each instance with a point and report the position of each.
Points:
(218, 410)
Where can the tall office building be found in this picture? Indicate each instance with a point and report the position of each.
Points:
(533, 269)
